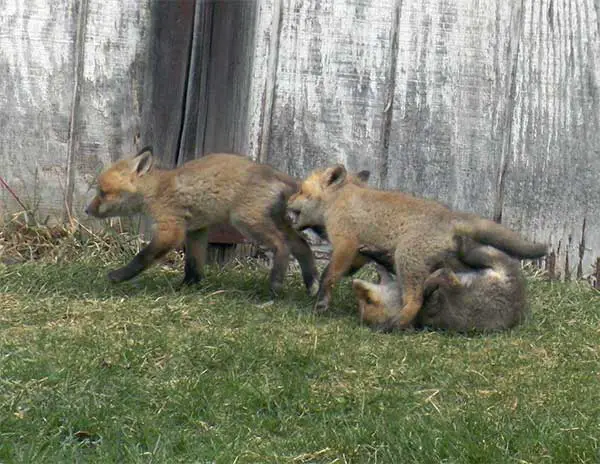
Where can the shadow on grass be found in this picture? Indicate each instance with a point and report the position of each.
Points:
(89, 281)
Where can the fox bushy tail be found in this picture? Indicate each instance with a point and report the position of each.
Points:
(491, 233)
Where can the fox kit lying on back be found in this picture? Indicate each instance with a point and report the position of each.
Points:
(187, 200)
(489, 296)
(419, 234)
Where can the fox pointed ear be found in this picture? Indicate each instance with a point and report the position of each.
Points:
(364, 175)
(143, 161)
(335, 175)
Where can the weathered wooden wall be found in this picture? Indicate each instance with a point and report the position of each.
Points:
(72, 75)
(491, 107)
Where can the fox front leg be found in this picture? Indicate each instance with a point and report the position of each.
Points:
(196, 243)
(166, 237)
(411, 274)
(342, 258)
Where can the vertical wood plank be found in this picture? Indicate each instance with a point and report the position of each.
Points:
(195, 110)
(452, 83)
(331, 84)
(36, 88)
(552, 188)
(231, 54)
(107, 120)
(165, 76)
(73, 142)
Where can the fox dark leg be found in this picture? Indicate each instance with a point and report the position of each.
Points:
(442, 278)
(196, 243)
(166, 237)
(264, 231)
(302, 252)
(483, 256)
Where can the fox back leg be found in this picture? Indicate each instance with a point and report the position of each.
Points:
(302, 252)
(484, 256)
(358, 262)
(411, 275)
(263, 230)
(196, 243)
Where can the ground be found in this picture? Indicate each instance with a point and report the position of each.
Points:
(143, 372)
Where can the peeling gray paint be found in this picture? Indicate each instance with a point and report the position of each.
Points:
(68, 104)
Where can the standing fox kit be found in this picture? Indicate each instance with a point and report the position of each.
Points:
(419, 235)
(489, 296)
(185, 201)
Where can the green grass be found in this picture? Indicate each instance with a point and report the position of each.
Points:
(141, 372)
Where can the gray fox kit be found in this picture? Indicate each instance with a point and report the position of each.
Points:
(491, 295)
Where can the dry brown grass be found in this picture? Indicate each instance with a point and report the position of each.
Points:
(22, 241)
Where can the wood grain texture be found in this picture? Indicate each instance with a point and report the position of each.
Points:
(231, 62)
(491, 107)
(263, 78)
(552, 188)
(164, 75)
(109, 94)
(216, 109)
(330, 88)
(36, 91)
(451, 101)
(72, 97)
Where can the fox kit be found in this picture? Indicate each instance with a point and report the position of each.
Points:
(418, 234)
(360, 178)
(489, 296)
(187, 200)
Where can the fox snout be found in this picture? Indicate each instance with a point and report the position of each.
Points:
(102, 208)
(92, 208)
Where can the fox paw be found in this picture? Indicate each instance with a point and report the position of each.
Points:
(116, 276)
(321, 306)
(189, 280)
(275, 289)
(447, 277)
(313, 289)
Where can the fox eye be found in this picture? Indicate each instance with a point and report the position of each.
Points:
(101, 193)
(368, 300)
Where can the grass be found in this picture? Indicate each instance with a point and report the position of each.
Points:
(142, 372)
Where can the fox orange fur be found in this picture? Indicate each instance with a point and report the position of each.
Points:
(418, 234)
(185, 201)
